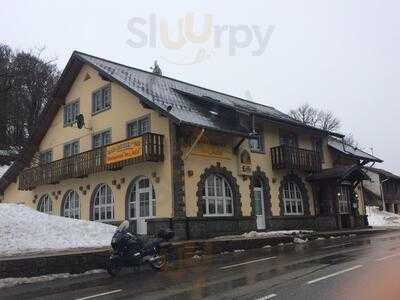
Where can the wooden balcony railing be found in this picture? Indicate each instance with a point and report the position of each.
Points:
(90, 162)
(286, 157)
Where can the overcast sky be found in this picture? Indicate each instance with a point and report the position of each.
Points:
(337, 55)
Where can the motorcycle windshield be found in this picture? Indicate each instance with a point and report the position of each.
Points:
(124, 226)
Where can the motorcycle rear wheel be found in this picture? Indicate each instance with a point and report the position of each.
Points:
(159, 263)
(113, 267)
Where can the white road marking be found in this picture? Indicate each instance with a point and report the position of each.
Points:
(334, 274)
(267, 297)
(99, 295)
(386, 257)
(335, 246)
(247, 262)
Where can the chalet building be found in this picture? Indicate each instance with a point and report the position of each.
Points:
(383, 187)
(122, 143)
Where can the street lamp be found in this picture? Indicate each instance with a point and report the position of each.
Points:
(382, 195)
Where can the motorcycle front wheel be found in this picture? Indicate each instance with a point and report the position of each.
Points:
(159, 262)
(113, 267)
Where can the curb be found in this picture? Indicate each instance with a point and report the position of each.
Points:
(79, 262)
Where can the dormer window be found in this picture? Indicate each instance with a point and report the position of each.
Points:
(101, 99)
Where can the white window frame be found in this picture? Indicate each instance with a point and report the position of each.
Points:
(292, 195)
(139, 129)
(101, 99)
(101, 133)
(71, 111)
(69, 147)
(46, 157)
(72, 211)
(213, 197)
(134, 199)
(45, 204)
(104, 204)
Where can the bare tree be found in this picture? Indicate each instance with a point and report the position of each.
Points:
(319, 118)
(327, 121)
(309, 115)
(26, 85)
(306, 114)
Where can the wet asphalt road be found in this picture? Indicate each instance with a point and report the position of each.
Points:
(360, 267)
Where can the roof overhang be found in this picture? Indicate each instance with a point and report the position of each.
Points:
(351, 173)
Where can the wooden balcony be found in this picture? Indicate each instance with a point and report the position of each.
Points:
(149, 147)
(286, 157)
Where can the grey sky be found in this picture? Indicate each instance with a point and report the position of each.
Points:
(337, 55)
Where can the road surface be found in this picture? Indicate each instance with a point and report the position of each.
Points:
(360, 267)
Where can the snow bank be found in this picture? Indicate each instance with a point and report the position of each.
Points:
(278, 233)
(381, 218)
(25, 231)
(255, 234)
(10, 282)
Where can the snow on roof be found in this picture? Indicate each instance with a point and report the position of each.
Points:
(27, 231)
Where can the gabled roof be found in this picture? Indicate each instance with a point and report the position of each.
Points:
(383, 173)
(183, 102)
(351, 151)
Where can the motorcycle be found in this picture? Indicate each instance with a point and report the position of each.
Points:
(133, 250)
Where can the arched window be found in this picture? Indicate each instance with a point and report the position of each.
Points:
(45, 204)
(141, 199)
(103, 203)
(217, 197)
(292, 199)
(71, 207)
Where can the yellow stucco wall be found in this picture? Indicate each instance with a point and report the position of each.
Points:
(125, 107)
(13, 195)
(198, 164)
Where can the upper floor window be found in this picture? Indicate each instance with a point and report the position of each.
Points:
(288, 140)
(71, 149)
(102, 138)
(138, 127)
(256, 143)
(101, 99)
(317, 144)
(46, 157)
(71, 111)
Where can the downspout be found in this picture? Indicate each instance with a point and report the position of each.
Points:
(194, 144)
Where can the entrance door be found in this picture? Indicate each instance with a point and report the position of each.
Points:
(259, 204)
(142, 203)
(344, 205)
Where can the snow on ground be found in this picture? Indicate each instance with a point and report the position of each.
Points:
(267, 234)
(377, 217)
(24, 230)
(10, 282)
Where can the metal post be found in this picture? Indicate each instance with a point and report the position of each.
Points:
(382, 194)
